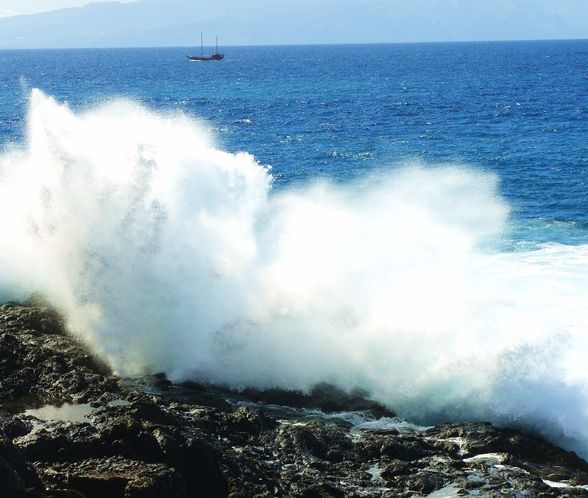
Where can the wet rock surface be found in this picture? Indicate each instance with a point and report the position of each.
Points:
(150, 439)
(39, 361)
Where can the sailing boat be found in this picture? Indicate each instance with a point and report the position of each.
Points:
(216, 56)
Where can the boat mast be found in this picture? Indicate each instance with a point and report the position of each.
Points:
(216, 44)
(201, 46)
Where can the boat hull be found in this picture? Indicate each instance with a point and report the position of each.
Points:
(213, 57)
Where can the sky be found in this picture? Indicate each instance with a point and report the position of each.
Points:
(148, 23)
(14, 7)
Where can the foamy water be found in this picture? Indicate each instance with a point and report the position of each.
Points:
(167, 254)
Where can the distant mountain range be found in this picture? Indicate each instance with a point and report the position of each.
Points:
(179, 22)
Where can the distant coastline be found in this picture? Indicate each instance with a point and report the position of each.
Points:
(302, 45)
(178, 23)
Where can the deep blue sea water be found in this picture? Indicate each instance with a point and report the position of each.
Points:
(517, 108)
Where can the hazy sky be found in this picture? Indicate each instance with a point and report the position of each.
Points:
(11, 7)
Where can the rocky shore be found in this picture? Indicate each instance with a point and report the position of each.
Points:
(69, 429)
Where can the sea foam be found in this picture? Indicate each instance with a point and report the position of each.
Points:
(167, 254)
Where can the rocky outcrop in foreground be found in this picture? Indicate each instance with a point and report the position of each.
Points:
(103, 437)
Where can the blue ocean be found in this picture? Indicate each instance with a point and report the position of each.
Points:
(408, 219)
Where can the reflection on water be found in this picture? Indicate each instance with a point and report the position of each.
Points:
(67, 412)
(119, 402)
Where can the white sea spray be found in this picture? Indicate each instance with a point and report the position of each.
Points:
(167, 254)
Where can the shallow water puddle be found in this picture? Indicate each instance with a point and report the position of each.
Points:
(66, 413)
(118, 402)
(375, 472)
(450, 491)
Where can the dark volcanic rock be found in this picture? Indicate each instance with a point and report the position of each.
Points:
(147, 438)
(324, 397)
(11, 484)
(40, 362)
(113, 478)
